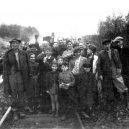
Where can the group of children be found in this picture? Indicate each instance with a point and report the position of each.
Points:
(61, 83)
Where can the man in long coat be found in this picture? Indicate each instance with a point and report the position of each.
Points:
(16, 76)
(109, 66)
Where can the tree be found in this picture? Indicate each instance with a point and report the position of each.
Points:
(112, 27)
(17, 31)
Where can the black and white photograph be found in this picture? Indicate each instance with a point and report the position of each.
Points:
(64, 64)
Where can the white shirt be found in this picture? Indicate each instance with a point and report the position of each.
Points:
(17, 59)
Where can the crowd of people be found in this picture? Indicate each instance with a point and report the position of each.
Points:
(66, 75)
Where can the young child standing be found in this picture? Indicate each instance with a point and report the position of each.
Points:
(66, 78)
(87, 86)
(52, 86)
(66, 83)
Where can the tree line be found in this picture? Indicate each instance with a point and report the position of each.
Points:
(17, 31)
(110, 28)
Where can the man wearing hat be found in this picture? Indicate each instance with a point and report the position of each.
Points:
(118, 43)
(16, 76)
(109, 66)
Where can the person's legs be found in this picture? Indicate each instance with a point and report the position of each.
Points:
(53, 103)
(57, 104)
(14, 97)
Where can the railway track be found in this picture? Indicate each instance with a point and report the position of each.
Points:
(80, 120)
(82, 126)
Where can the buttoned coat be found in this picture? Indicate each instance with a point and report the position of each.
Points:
(104, 68)
(9, 62)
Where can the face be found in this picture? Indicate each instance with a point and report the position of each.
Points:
(121, 43)
(60, 61)
(55, 45)
(15, 45)
(70, 45)
(107, 46)
(87, 69)
(54, 67)
(81, 45)
(48, 52)
(32, 58)
(64, 68)
(78, 53)
(89, 51)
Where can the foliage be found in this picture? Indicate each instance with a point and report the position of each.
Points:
(17, 31)
(112, 27)
(109, 29)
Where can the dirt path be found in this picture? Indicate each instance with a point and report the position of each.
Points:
(40, 121)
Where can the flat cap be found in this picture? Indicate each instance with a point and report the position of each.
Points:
(106, 41)
(15, 40)
(118, 38)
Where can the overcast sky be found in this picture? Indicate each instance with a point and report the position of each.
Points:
(64, 17)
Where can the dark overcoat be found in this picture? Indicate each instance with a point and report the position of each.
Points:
(104, 68)
(9, 62)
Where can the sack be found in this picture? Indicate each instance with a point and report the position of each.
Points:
(119, 84)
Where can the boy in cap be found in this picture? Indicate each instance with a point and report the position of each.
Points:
(16, 76)
(87, 87)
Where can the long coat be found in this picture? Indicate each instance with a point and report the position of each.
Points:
(9, 62)
(105, 69)
(105, 63)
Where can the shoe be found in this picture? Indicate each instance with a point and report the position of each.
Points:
(53, 114)
(28, 109)
(56, 115)
(50, 112)
(15, 117)
(63, 118)
(22, 115)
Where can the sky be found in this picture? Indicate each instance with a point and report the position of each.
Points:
(63, 17)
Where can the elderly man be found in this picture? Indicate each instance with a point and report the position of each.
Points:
(16, 76)
(118, 43)
(109, 66)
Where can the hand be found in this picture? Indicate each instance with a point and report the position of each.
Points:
(48, 91)
(61, 85)
(99, 86)
(35, 77)
(101, 77)
(68, 85)
(9, 96)
(45, 59)
(118, 71)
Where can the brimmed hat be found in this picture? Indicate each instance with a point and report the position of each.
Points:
(118, 38)
(106, 41)
(15, 40)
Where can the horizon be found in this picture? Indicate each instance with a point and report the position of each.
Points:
(65, 18)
